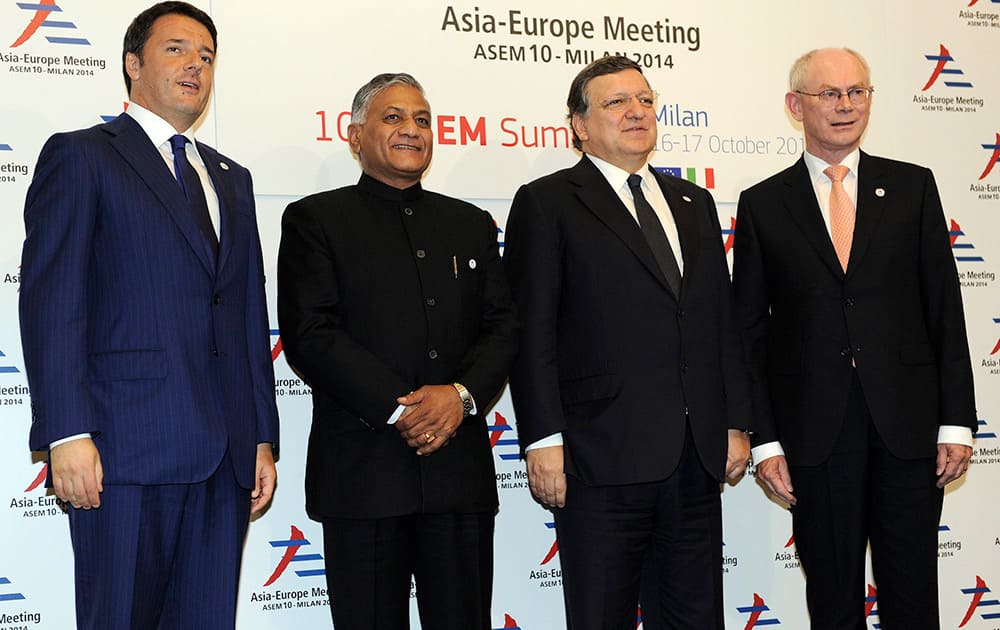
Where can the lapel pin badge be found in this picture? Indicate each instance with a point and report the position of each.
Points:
(223, 166)
(880, 192)
(686, 198)
(472, 263)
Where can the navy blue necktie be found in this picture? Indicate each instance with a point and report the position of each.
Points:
(191, 185)
(652, 229)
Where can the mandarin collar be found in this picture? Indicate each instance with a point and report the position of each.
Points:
(371, 185)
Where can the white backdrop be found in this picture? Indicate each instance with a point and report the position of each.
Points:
(497, 73)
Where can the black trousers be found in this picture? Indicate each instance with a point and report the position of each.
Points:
(660, 542)
(369, 564)
(863, 494)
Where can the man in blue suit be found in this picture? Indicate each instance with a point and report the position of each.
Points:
(144, 327)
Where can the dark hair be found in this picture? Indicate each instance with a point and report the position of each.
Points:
(578, 102)
(138, 31)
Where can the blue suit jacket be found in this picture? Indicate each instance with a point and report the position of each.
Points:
(130, 331)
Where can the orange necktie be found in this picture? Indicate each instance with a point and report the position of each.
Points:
(841, 214)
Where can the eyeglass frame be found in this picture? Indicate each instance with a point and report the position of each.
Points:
(867, 91)
(627, 100)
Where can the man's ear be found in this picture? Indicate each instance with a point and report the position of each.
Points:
(793, 101)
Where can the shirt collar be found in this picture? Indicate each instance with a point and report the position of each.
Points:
(158, 130)
(816, 166)
(617, 177)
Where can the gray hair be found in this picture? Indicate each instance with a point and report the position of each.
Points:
(363, 99)
(799, 73)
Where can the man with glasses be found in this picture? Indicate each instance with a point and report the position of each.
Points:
(629, 388)
(860, 371)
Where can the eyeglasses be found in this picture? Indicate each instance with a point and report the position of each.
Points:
(619, 102)
(830, 97)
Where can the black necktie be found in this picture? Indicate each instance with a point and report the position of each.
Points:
(652, 229)
(191, 185)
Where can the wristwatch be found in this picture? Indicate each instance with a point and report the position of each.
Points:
(466, 397)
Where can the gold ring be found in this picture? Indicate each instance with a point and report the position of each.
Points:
(430, 438)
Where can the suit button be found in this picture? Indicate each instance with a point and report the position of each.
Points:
(431, 301)
(421, 253)
(408, 212)
(680, 313)
(217, 299)
(215, 352)
(684, 367)
(845, 352)
(433, 354)
(857, 350)
(849, 302)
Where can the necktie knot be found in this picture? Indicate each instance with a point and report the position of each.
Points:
(178, 142)
(836, 173)
(634, 182)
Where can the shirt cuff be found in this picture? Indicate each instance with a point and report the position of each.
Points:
(954, 434)
(556, 439)
(78, 436)
(766, 451)
(396, 414)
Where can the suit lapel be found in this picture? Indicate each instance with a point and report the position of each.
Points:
(221, 176)
(871, 203)
(801, 205)
(132, 143)
(598, 197)
(686, 221)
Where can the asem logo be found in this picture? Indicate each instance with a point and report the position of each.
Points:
(980, 433)
(292, 546)
(973, 2)
(42, 10)
(509, 623)
(943, 59)
(553, 550)
(497, 430)
(977, 602)
(6, 596)
(39, 478)
(996, 348)
(956, 247)
(994, 158)
(730, 234)
(690, 174)
(756, 611)
(7, 369)
(871, 606)
(5, 147)
(276, 348)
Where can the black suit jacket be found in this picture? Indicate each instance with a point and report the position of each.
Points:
(897, 312)
(371, 307)
(609, 356)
